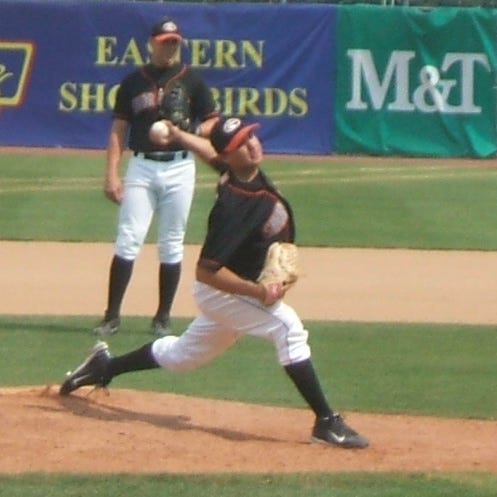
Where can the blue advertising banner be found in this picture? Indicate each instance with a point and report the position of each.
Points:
(61, 63)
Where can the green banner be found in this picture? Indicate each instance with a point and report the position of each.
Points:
(416, 82)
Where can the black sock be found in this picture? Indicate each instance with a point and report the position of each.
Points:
(305, 379)
(136, 360)
(169, 275)
(120, 274)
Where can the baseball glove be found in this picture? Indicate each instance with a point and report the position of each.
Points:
(281, 264)
(175, 107)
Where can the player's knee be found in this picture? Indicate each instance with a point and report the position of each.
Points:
(170, 253)
(170, 356)
(128, 247)
(292, 345)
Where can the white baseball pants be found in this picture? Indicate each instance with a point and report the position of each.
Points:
(225, 319)
(165, 188)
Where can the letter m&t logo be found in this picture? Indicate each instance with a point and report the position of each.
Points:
(432, 92)
(16, 60)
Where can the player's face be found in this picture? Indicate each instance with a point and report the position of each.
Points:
(164, 52)
(248, 155)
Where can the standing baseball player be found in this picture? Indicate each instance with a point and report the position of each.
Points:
(248, 217)
(159, 179)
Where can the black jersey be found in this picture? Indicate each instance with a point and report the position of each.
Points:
(245, 219)
(139, 95)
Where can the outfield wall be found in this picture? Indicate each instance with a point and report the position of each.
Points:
(320, 78)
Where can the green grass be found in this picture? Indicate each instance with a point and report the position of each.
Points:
(420, 206)
(441, 370)
(266, 485)
(423, 204)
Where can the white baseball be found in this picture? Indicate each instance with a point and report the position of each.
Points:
(158, 131)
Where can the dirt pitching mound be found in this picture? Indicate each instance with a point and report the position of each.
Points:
(145, 432)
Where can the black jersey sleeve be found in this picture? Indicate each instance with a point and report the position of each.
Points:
(122, 105)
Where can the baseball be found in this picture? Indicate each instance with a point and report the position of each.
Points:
(158, 131)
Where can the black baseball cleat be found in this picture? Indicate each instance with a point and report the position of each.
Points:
(161, 327)
(334, 431)
(107, 327)
(93, 371)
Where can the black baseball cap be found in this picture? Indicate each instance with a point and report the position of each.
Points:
(229, 133)
(166, 29)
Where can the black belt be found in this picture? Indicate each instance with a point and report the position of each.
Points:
(163, 156)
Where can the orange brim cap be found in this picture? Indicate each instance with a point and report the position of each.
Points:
(239, 137)
(168, 36)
